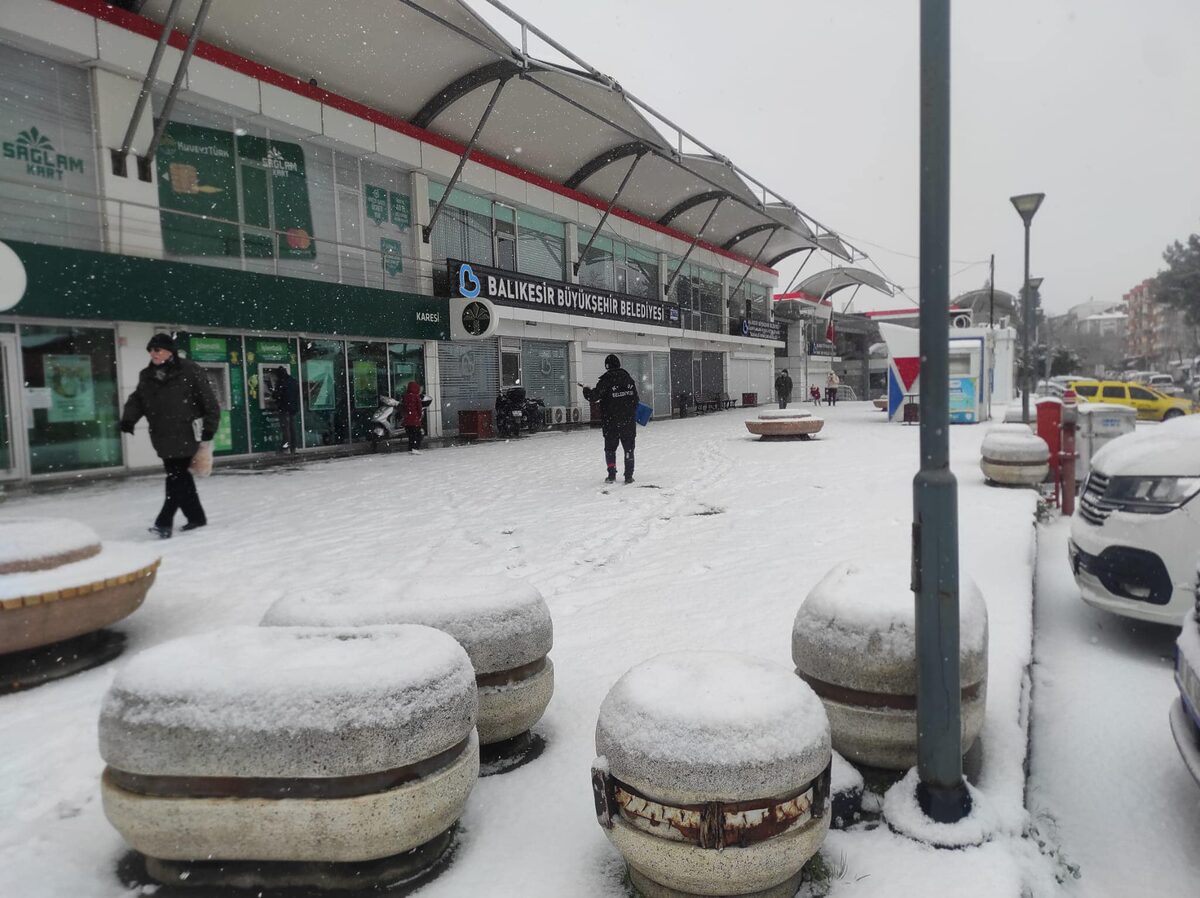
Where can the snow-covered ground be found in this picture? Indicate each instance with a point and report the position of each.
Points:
(714, 547)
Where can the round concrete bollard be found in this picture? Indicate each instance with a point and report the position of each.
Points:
(1013, 455)
(59, 587)
(854, 643)
(1013, 415)
(785, 423)
(713, 775)
(268, 757)
(504, 625)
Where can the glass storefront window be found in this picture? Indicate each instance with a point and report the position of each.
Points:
(71, 394)
(220, 355)
(323, 392)
(263, 356)
(407, 362)
(368, 381)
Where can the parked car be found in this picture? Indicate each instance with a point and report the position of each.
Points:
(1163, 383)
(1135, 535)
(1185, 712)
(1151, 405)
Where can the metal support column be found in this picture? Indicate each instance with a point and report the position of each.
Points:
(796, 276)
(941, 792)
(757, 256)
(428, 229)
(119, 156)
(603, 218)
(144, 162)
(700, 233)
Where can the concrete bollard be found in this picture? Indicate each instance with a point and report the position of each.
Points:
(277, 757)
(785, 423)
(59, 587)
(504, 625)
(854, 643)
(713, 775)
(1013, 455)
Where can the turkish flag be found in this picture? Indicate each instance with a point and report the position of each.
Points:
(830, 333)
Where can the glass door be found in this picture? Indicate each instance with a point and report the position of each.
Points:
(12, 463)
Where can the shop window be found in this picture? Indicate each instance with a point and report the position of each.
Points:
(613, 265)
(545, 366)
(71, 395)
(368, 381)
(406, 363)
(323, 392)
(504, 236)
(541, 245)
(510, 367)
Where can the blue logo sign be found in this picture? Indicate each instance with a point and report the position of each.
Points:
(467, 276)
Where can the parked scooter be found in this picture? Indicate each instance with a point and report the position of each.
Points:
(385, 423)
(516, 412)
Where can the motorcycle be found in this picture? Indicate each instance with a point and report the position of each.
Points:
(385, 423)
(515, 411)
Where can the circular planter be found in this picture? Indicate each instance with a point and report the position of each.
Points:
(881, 403)
(854, 643)
(704, 792)
(785, 423)
(306, 746)
(1014, 456)
(58, 585)
(503, 624)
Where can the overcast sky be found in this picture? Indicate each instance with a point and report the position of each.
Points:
(1096, 103)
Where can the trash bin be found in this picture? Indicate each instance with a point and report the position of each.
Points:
(476, 424)
(1100, 423)
(749, 400)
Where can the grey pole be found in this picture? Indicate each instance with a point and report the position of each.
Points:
(608, 210)
(139, 107)
(1025, 336)
(992, 292)
(941, 791)
(169, 103)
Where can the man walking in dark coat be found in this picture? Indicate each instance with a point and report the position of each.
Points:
(618, 398)
(178, 402)
(783, 388)
(286, 394)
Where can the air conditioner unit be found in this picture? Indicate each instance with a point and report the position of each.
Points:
(556, 415)
(576, 414)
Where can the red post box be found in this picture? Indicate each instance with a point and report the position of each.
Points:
(1049, 428)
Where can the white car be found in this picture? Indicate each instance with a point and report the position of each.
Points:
(1185, 712)
(1135, 535)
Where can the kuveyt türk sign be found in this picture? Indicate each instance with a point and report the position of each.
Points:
(758, 330)
(508, 288)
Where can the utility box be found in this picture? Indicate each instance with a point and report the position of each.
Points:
(1100, 424)
(476, 424)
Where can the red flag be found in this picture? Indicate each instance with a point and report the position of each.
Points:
(830, 333)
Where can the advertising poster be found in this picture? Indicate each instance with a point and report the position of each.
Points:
(962, 400)
(401, 210)
(289, 192)
(366, 383)
(208, 349)
(320, 384)
(376, 199)
(197, 174)
(390, 253)
(223, 438)
(72, 390)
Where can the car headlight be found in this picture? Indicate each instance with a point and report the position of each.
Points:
(1151, 495)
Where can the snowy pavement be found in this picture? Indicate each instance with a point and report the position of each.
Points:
(714, 547)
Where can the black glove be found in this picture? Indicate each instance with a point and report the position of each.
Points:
(127, 427)
(206, 436)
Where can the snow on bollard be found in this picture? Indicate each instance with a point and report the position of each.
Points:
(785, 423)
(1013, 455)
(59, 587)
(1014, 414)
(268, 757)
(713, 775)
(854, 643)
(504, 625)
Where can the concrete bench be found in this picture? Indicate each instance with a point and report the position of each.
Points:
(1012, 455)
(785, 423)
(854, 643)
(713, 775)
(278, 756)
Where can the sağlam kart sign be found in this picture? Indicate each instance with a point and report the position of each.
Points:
(41, 160)
(508, 288)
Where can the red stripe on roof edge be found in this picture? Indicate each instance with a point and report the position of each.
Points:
(148, 28)
(807, 297)
(913, 311)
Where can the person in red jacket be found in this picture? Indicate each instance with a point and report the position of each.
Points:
(412, 404)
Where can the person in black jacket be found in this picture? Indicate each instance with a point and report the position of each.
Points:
(172, 395)
(286, 393)
(783, 388)
(618, 397)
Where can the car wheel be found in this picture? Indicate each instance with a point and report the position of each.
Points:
(1172, 413)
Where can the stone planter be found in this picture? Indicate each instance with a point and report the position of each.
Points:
(503, 624)
(785, 423)
(284, 756)
(854, 643)
(881, 403)
(704, 790)
(1013, 455)
(59, 585)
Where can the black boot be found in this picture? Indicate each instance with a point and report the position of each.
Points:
(612, 476)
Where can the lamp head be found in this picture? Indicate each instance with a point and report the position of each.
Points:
(1035, 283)
(1027, 204)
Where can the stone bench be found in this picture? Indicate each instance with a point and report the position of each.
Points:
(284, 756)
(713, 775)
(785, 423)
(1012, 455)
(854, 643)
(881, 403)
(504, 625)
(59, 582)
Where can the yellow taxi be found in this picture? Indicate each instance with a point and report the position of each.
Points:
(1151, 405)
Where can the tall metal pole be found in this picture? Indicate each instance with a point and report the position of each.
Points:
(1025, 335)
(941, 792)
(992, 292)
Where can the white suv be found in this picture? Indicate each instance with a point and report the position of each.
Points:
(1185, 712)
(1135, 536)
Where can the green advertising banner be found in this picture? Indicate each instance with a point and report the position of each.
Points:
(391, 253)
(208, 349)
(283, 164)
(72, 389)
(272, 351)
(320, 383)
(197, 175)
(223, 438)
(377, 204)
(401, 210)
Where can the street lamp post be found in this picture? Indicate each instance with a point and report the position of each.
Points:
(1035, 285)
(1026, 205)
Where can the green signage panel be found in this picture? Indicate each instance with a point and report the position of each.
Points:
(391, 253)
(208, 349)
(401, 210)
(377, 204)
(197, 177)
(272, 351)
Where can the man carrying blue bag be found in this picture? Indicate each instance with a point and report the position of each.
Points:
(617, 395)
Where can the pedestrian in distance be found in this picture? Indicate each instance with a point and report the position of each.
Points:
(831, 388)
(286, 394)
(178, 402)
(814, 394)
(618, 398)
(783, 388)
(412, 404)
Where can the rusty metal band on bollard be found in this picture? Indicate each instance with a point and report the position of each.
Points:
(282, 787)
(844, 695)
(713, 824)
(512, 675)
